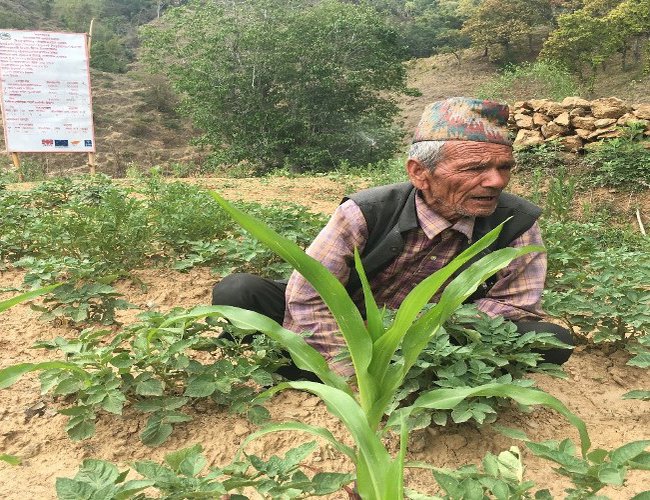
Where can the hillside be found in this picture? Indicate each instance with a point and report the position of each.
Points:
(137, 125)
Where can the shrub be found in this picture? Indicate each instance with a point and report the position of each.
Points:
(290, 82)
(620, 163)
(540, 79)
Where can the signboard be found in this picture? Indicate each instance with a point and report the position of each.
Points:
(45, 92)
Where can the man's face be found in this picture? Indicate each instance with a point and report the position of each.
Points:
(468, 179)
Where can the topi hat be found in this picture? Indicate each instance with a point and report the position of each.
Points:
(464, 119)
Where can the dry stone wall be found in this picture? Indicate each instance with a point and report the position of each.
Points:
(575, 122)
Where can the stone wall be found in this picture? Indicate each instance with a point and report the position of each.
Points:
(575, 122)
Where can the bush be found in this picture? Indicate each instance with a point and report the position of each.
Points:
(619, 163)
(291, 83)
(541, 79)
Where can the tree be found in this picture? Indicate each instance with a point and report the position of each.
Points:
(508, 24)
(590, 36)
(283, 82)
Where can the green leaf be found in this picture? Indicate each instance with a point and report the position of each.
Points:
(510, 432)
(6, 304)
(80, 428)
(149, 387)
(612, 475)
(200, 387)
(98, 473)
(71, 489)
(11, 374)
(449, 398)
(10, 459)
(114, 402)
(628, 451)
(187, 461)
(299, 426)
(325, 483)
(156, 431)
(373, 316)
(637, 394)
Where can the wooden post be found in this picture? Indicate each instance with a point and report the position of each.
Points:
(91, 163)
(91, 156)
(16, 160)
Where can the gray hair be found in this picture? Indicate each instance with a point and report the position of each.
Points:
(429, 153)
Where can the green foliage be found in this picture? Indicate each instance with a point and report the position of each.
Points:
(589, 36)
(154, 365)
(290, 82)
(473, 349)
(426, 27)
(539, 79)
(489, 30)
(598, 469)
(86, 303)
(99, 479)
(589, 264)
(620, 163)
(371, 346)
(501, 478)
(181, 476)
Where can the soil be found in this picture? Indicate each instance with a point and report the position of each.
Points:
(597, 380)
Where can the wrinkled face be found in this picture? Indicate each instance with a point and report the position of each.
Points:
(468, 179)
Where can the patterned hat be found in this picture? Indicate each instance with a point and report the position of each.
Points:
(464, 119)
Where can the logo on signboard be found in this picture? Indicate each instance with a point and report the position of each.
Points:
(47, 142)
(61, 143)
(5, 36)
(75, 143)
(88, 143)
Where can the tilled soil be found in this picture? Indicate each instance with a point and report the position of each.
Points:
(597, 380)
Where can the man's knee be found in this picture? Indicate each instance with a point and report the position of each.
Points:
(236, 290)
(555, 355)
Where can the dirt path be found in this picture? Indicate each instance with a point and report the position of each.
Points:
(594, 389)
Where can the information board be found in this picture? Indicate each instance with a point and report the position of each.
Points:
(45, 92)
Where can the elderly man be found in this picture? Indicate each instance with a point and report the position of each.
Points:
(459, 164)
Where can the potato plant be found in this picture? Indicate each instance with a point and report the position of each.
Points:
(157, 366)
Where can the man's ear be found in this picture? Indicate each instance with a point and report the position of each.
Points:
(418, 173)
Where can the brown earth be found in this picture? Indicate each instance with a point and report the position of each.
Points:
(597, 380)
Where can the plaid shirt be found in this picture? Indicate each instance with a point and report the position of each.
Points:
(516, 295)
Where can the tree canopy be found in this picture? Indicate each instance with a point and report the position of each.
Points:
(284, 82)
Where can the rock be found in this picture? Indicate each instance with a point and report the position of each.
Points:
(609, 107)
(584, 122)
(574, 101)
(572, 143)
(526, 138)
(600, 132)
(583, 133)
(552, 108)
(642, 111)
(523, 121)
(521, 104)
(611, 135)
(540, 119)
(552, 129)
(604, 122)
(240, 430)
(536, 104)
(562, 119)
(579, 111)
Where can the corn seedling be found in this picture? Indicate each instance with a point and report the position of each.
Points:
(371, 347)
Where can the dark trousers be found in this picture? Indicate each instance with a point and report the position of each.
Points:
(266, 297)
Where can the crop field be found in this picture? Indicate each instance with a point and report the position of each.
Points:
(115, 383)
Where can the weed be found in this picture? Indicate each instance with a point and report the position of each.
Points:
(619, 163)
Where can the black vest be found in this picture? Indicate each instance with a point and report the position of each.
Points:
(390, 211)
